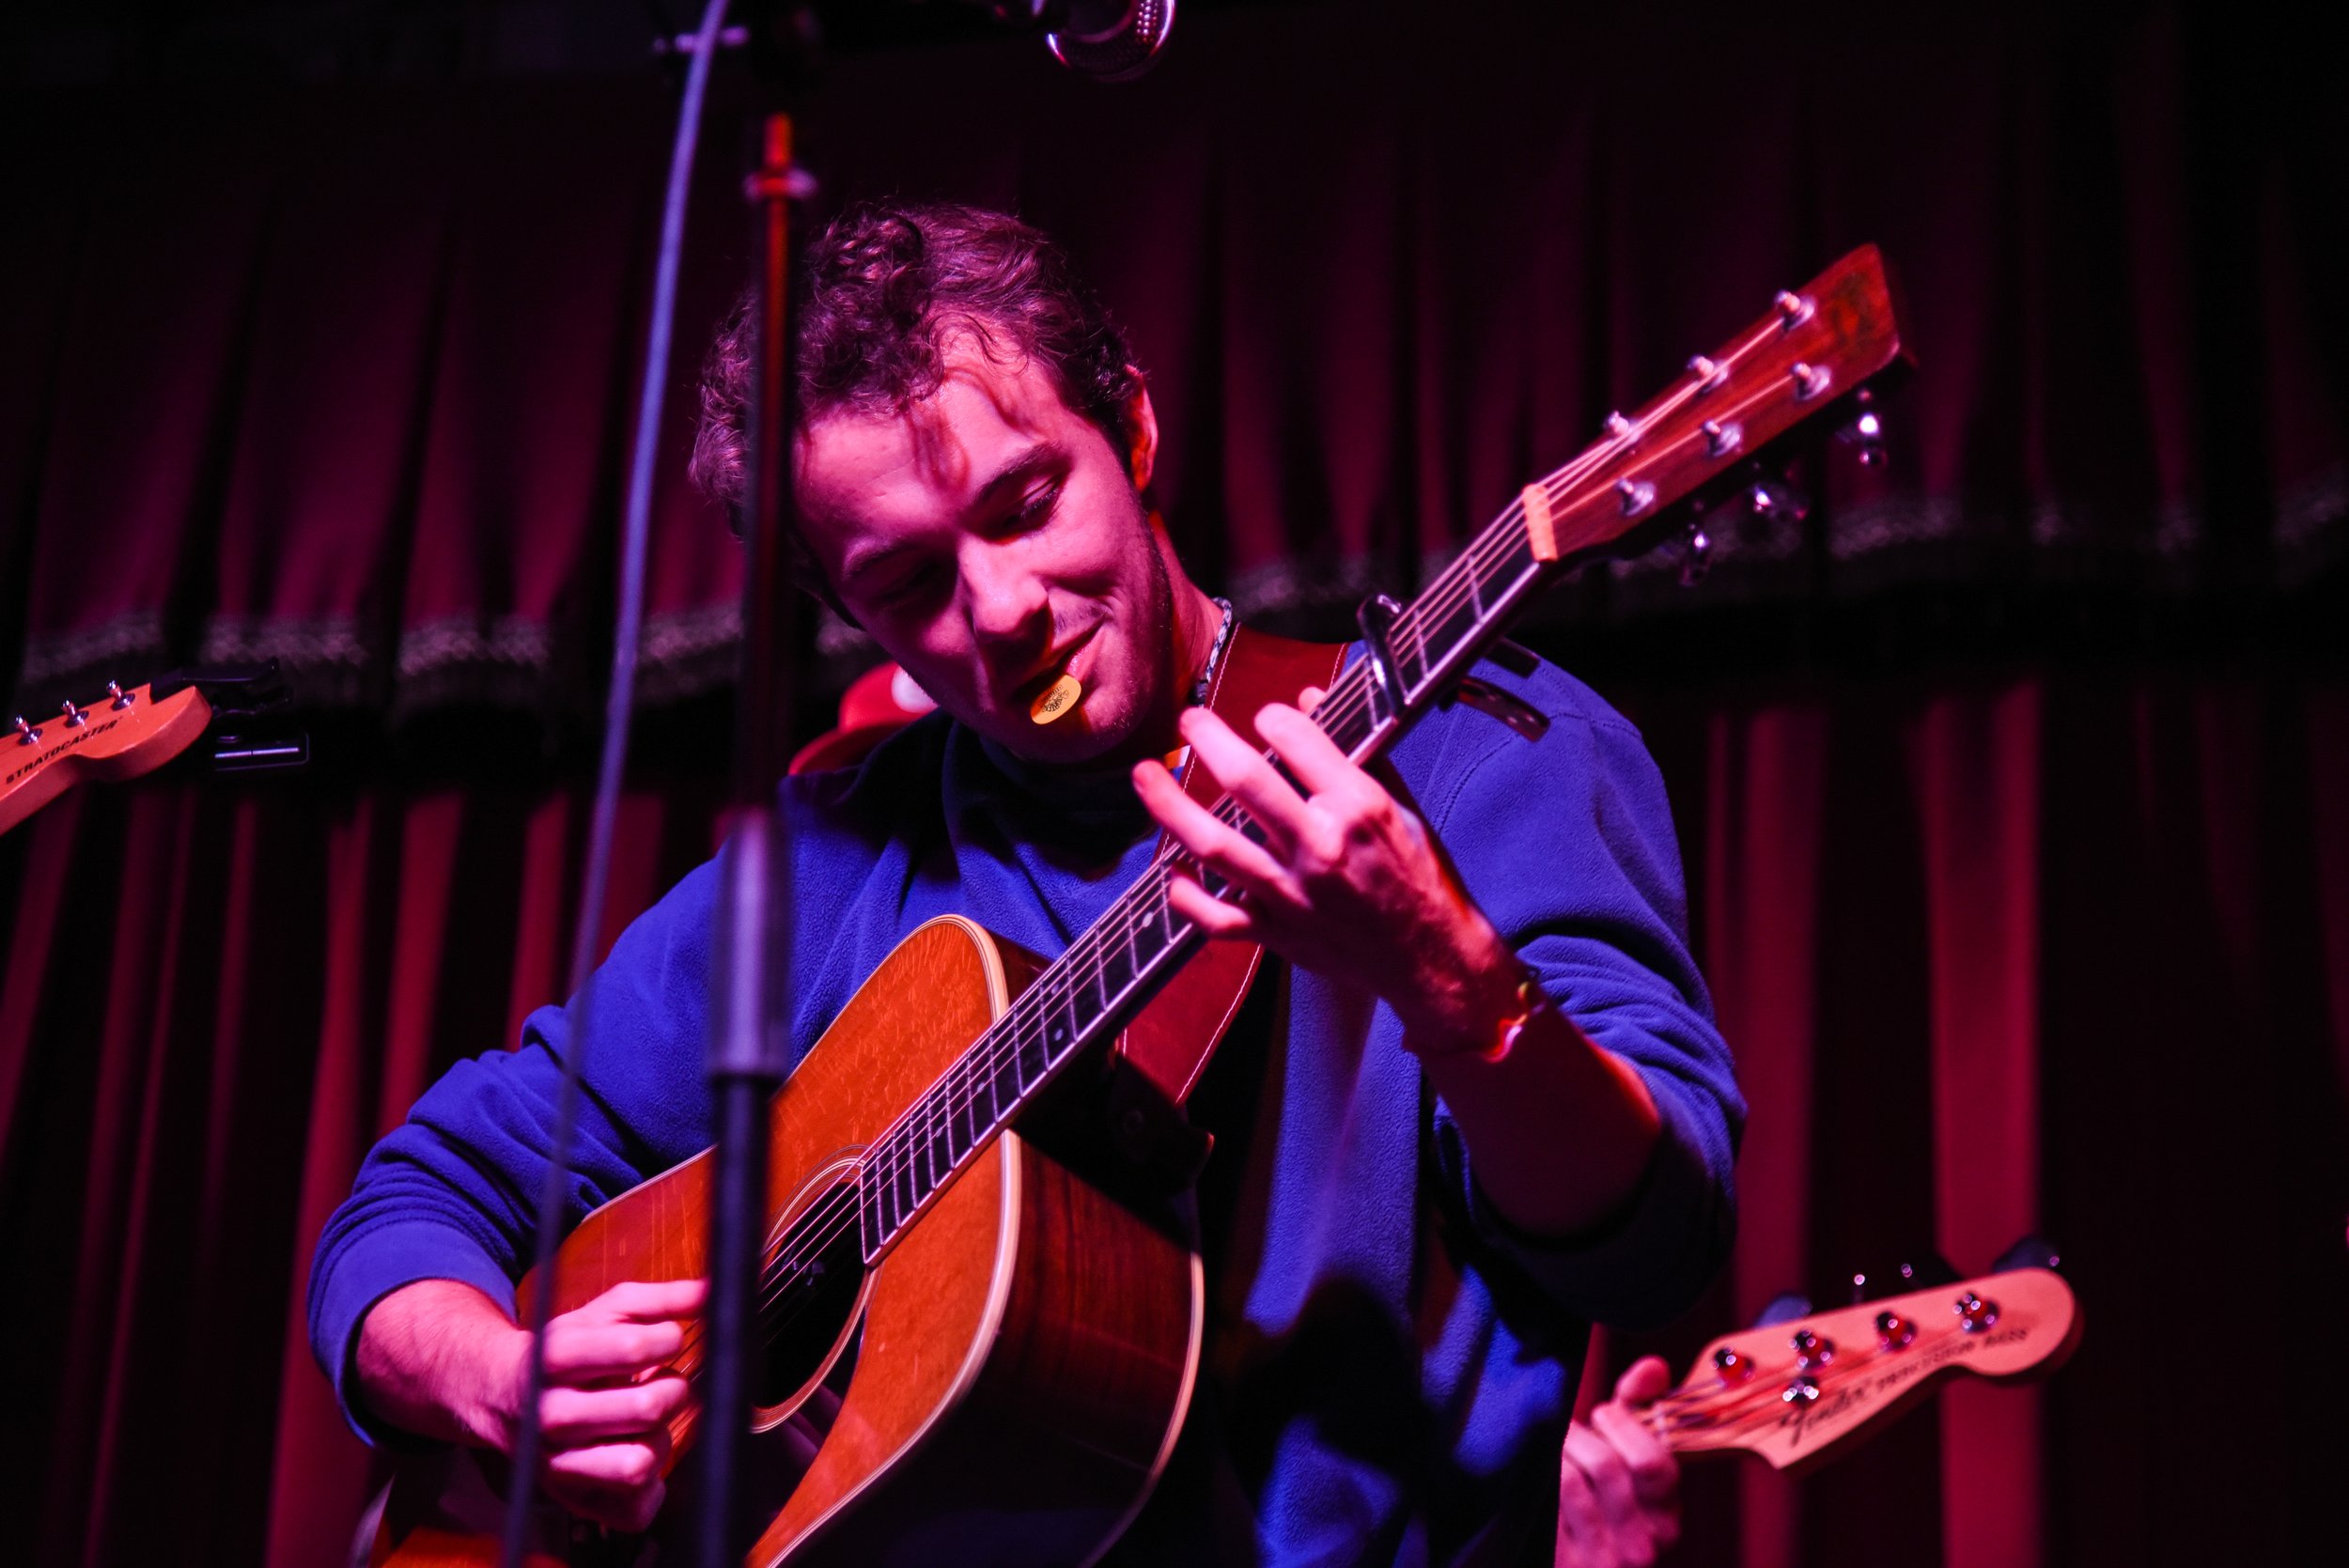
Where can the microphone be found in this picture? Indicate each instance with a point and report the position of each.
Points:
(1109, 41)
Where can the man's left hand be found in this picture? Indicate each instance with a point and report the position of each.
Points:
(1346, 883)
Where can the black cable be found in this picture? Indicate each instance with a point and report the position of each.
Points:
(619, 703)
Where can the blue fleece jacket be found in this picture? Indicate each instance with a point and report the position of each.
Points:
(1389, 1368)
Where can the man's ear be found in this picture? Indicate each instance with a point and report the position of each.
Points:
(1142, 456)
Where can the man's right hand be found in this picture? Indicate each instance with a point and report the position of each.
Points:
(441, 1359)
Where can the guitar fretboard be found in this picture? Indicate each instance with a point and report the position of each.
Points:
(1115, 966)
(1728, 407)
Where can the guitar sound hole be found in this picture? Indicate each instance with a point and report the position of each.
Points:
(810, 1293)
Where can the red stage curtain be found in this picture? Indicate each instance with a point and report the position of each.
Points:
(344, 377)
(2053, 952)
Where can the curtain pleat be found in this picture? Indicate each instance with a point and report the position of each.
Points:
(2057, 952)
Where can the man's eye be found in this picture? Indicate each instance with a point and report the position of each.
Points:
(910, 585)
(1038, 504)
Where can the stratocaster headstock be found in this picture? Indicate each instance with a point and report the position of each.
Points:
(1792, 1392)
(119, 736)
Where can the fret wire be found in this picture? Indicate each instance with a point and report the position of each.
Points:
(1346, 705)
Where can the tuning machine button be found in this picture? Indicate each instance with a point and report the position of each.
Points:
(1731, 1367)
(1893, 1331)
(1793, 310)
(1618, 427)
(1810, 380)
(1976, 1312)
(1696, 558)
(1811, 1351)
(121, 698)
(1711, 374)
(1637, 496)
(1865, 433)
(26, 734)
(1802, 1390)
(1720, 438)
(74, 717)
(1772, 500)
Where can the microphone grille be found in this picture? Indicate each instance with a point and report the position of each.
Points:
(1120, 52)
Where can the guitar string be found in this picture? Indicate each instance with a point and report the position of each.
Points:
(1348, 701)
(1495, 543)
(1060, 983)
(1084, 966)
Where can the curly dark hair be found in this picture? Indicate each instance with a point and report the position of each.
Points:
(881, 292)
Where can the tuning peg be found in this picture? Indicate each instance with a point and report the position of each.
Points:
(26, 735)
(121, 698)
(1773, 499)
(1696, 557)
(2032, 1251)
(1784, 1307)
(1865, 433)
(74, 716)
(1877, 1284)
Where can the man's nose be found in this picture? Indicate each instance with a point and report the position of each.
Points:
(1007, 599)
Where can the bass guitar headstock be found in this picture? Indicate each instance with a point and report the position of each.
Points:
(1794, 1392)
(119, 736)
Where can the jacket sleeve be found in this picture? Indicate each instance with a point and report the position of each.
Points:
(1568, 846)
(453, 1192)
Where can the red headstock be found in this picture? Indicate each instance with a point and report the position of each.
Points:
(1817, 346)
(1794, 1391)
(120, 735)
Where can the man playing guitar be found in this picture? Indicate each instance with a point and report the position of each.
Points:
(1481, 1105)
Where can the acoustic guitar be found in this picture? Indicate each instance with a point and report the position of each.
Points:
(976, 1353)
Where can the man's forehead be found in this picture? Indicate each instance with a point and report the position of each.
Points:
(863, 476)
(950, 438)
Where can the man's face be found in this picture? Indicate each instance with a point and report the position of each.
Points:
(990, 539)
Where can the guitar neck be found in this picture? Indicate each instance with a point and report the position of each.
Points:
(1793, 364)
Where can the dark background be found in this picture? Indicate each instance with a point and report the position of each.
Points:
(2013, 780)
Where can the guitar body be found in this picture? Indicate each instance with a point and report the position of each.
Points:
(1005, 1386)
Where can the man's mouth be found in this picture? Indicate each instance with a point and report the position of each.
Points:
(1055, 690)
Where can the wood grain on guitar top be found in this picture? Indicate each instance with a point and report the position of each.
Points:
(1027, 1349)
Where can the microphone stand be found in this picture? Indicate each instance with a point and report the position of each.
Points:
(750, 1035)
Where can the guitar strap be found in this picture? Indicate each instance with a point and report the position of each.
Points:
(1171, 1040)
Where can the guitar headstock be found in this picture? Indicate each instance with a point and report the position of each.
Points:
(1817, 348)
(119, 736)
(1794, 1391)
